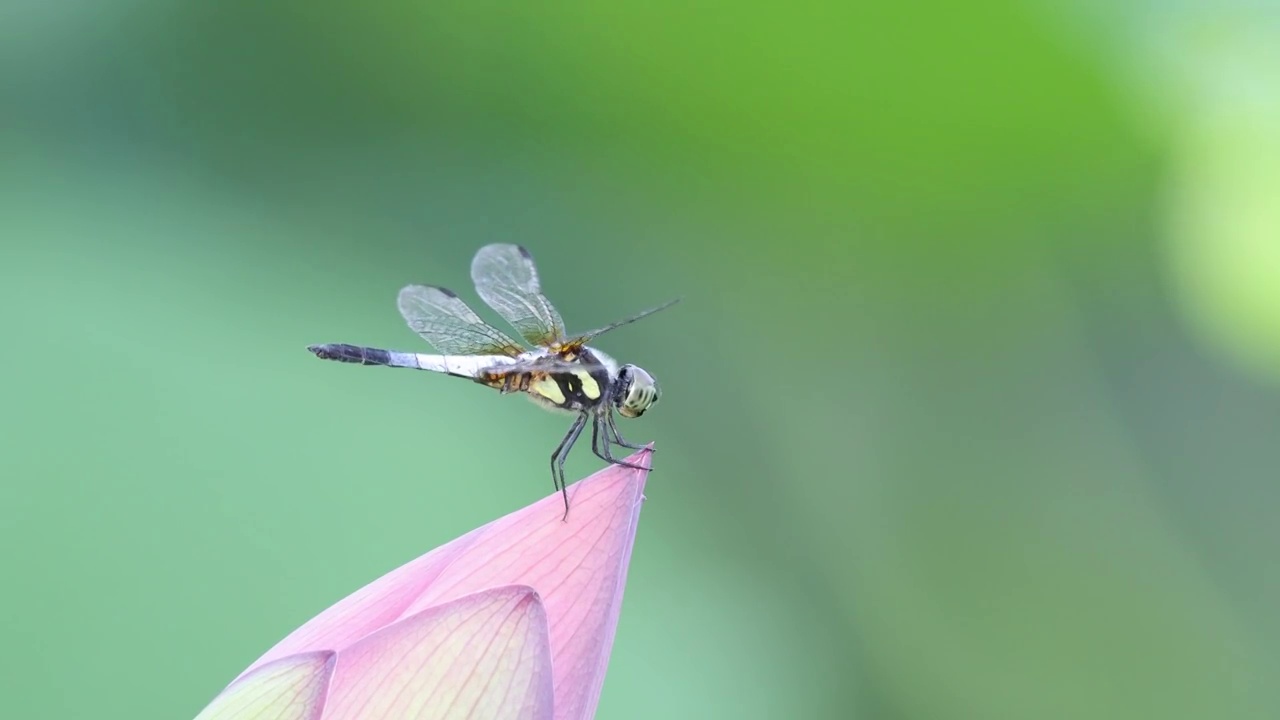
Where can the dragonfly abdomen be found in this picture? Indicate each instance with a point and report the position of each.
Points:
(466, 366)
(342, 352)
(360, 355)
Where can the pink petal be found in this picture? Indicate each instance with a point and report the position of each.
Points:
(291, 688)
(370, 608)
(578, 568)
(480, 657)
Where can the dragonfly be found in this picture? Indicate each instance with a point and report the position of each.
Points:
(558, 371)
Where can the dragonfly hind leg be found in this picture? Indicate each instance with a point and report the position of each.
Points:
(561, 452)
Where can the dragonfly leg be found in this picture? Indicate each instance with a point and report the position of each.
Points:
(557, 459)
(617, 436)
(603, 450)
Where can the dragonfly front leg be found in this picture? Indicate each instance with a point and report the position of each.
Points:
(617, 436)
(603, 450)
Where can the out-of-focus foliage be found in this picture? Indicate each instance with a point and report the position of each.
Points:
(970, 409)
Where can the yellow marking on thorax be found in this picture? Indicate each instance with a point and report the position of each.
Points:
(590, 387)
(547, 388)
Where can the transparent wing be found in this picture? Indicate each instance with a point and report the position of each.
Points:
(548, 364)
(506, 278)
(584, 338)
(452, 328)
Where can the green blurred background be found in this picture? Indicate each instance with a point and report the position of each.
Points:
(970, 410)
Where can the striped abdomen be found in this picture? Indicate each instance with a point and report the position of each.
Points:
(352, 354)
(467, 366)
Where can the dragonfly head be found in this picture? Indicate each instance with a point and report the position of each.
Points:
(637, 391)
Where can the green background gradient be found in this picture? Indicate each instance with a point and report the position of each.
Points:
(970, 409)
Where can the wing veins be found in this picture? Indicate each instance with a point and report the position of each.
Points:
(441, 318)
(587, 337)
(506, 278)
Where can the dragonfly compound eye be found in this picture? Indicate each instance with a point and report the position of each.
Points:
(639, 391)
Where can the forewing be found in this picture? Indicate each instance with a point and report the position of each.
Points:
(507, 279)
(550, 364)
(580, 340)
(452, 328)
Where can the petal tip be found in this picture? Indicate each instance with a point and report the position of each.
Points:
(642, 457)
